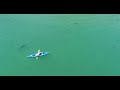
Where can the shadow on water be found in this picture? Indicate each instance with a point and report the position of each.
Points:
(75, 23)
(116, 44)
(23, 48)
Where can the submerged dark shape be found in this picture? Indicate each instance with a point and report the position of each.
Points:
(113, 46)
(22, 46)
(75, 23)
(118, 40)
(117, 19)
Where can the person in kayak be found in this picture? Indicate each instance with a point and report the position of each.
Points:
(37, 54)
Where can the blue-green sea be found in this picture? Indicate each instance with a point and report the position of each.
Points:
(79, 44)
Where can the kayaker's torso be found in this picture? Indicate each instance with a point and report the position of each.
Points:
(38, 54)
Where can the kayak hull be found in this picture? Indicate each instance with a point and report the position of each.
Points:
(42, 54)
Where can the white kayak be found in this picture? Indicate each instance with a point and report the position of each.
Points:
(42, 54)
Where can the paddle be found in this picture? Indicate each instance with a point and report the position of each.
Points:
(36, 58)
(38, 52)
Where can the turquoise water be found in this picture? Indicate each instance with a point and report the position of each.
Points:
(80, 44)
